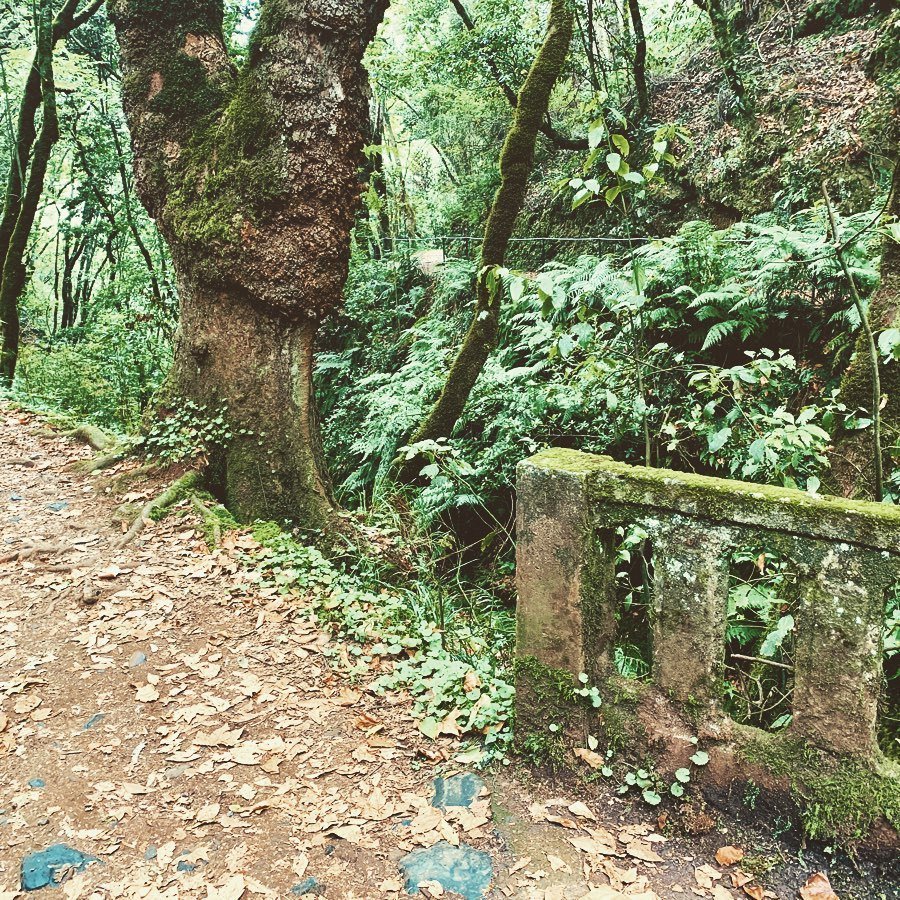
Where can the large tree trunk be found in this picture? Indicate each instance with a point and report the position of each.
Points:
(852, 458)
(264, 362)
(252, 178)
(516, 161)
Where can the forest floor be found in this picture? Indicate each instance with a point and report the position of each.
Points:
(163, 712)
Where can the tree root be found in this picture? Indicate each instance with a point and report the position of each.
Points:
(176, 491)
(92, 436)
(212, 524)
(96, 463)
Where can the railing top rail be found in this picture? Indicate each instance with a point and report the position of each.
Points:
(872, 525)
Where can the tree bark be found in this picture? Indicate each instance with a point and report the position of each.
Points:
(516, 161)
(252, 178)
(729, 44)
(640, 59)
(852, 463)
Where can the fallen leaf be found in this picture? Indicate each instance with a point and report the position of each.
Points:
(818, 887)
(594, 760)
(233, 889)
(640, 850)
(729, 855)
(147, 693)
(581, 810)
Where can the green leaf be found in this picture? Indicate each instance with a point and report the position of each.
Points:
(700, 758)
(429, 726)
(683, 775)
(718, 440)
(652, 797)
(620, 143)
(612, 193)
(613, 162)
(596, 132)
(676, 790)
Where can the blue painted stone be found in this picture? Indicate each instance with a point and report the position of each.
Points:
(150, 852)
(463, 869)
(15, 497)
(184, 866)
(36, 783)
(137, 659)
(93, 720)
(307, 886)
(40, 869)
(58, 505)
(457, 790)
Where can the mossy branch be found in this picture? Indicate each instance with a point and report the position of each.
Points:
(516, 161)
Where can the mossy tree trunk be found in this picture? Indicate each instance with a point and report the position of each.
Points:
(516, 161)
(641, 89)
(730, 45)
(852, 460)
(252, 177)
(28, 167)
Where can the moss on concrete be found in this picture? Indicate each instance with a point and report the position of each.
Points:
(720, 500)
(837, 799)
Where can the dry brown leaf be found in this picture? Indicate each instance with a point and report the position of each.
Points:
(818, 887)
(594, 760)
(754, 891)
(722, 893)
(582, 811)
(591, 846)
(729, 855)
(147, 693)
(640, 850)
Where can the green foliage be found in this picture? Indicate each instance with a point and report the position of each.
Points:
(188, 431)
(449, 653)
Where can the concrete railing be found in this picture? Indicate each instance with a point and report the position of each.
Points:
(846, 555)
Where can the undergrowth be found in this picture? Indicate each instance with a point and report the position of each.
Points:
(457, 673)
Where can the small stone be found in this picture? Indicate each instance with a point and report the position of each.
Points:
(40, 869)
(36, 783)
(16, 497)
(462, 870)
(58, 505)
(93, 720)
(308, 886)
(457, 790)
(137, 659)
(150, 852)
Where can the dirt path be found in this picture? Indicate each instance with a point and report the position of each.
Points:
(178, 722)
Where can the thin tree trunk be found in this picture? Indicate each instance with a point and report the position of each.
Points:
(852, 463)
(640, 59)
(729, 44)
(14, 273)
(24, 182)
(516, 161)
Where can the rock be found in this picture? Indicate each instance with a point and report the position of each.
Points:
(462, 870)
(93, 720)
(137, 659)
(58, 505)
(36, 783)
(457, 790)
(308, 886)
(49, 867)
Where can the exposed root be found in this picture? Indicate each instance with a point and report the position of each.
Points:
(92, 436)
(172, 494)
(212, 525)
(96, 463)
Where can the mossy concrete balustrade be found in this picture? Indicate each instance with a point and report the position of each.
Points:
(846, 555)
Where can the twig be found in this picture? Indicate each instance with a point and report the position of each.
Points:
(759, 659)
(870, 339)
